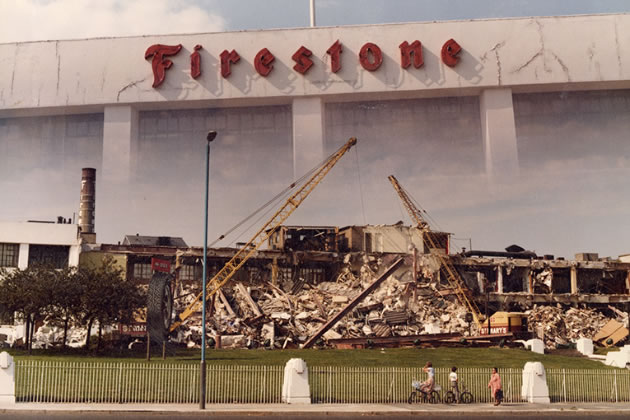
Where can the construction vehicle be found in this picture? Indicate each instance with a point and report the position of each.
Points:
(455, 281)
(160, 296)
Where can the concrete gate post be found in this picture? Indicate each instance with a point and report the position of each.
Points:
(295, 388)
(7, 379)
(535, 389)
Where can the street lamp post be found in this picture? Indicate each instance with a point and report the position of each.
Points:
(202, 374)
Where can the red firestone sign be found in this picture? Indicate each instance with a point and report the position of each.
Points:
(370, 58)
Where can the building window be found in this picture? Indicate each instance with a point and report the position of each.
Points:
(55, 256)
(187, 272)
(9, 255)
(142, 271)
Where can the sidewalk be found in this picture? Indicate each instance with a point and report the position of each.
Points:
(365, 409)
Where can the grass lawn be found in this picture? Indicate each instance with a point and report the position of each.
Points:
(405, 357)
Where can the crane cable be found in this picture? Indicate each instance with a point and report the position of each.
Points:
(268, 205)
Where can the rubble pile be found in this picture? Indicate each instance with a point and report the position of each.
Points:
(557, 326)
(287, 314)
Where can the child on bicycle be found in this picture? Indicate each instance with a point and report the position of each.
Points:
(427, 386)
(454, 383)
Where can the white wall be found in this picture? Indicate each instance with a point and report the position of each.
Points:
(524, 53)
(39, 233)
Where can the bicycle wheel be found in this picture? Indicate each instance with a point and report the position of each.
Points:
(449, 398)
(413, 398)
(435, 398)
(466, 398)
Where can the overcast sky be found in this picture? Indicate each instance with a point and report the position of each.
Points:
(33, 20)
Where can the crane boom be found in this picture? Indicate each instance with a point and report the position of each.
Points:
(453, 277)
(263, 234)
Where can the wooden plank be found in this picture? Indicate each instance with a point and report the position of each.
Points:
(332, 321)
(249, 300)
(226, 304)
(607, 330)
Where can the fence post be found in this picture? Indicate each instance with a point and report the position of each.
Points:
(119, 385)
(616, 399)
(564, 385)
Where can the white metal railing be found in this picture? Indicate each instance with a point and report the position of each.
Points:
(74, 382)
(588, 385)
(87, 382)
(370, 385)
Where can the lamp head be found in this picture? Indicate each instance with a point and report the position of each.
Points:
(211, 135)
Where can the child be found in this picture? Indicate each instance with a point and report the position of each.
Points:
(454, 383)
(495, 386)
(427, 386)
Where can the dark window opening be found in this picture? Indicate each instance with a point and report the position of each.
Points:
(9, 255)
(55, 256)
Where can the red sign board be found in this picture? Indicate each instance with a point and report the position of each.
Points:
(160, 265)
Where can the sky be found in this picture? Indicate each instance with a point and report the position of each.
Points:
(36, 20)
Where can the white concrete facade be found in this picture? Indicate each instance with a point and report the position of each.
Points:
(500, 58)
(26, 234)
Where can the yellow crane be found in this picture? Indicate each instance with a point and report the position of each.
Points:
(454, 279)
(259, 238)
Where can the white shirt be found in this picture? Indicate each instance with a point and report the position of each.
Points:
(431, 372)
(452, 376)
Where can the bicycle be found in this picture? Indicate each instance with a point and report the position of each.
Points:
(419, 395)
(465, 397)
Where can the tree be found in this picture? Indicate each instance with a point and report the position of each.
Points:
(27, 292)
(66, 292)
(107, 297)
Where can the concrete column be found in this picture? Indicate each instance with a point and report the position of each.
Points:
(120, 131)
(23, 257)
(574, 283)
(308, 134)
(498, 131)
(527, 281)
(73, 257)
(499, 279)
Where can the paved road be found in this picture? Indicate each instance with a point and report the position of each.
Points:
(312, 416)
(517, 411)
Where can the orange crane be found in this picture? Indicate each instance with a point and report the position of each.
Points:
(452, 276)
(158, 311)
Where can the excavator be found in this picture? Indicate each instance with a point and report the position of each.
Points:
(160, 322)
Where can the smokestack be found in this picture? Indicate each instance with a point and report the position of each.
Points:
(87, 205)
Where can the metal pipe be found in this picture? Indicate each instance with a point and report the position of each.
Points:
(312, 10)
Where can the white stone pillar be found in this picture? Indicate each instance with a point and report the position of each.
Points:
(120, 132)
(499, 279)
(308, 134)
(574, 280)
(74, 255)
(23, 257)
(498, 131)
(7, 379)
(535, 389)
(295, 387)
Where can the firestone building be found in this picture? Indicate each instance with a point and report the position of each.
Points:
(493, 124)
